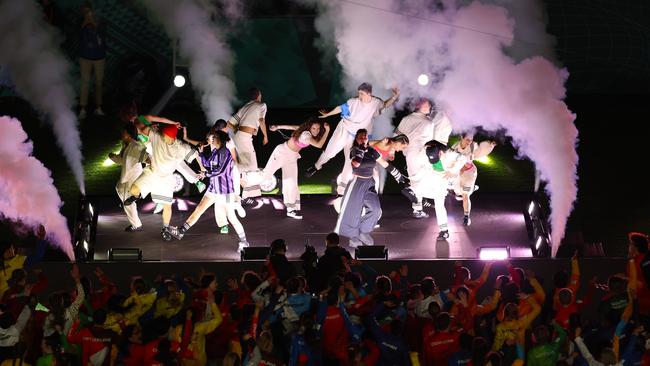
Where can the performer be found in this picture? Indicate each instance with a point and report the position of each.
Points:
(218, 163)
(286, 156)
(465, 184)
(219, 214)
(360, 193)
(157, 178)
(246, 122)
(357, 113)
(387, 148)
(421, 127)
(131, 158)
(433, 180)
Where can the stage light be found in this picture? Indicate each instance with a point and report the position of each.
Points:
(423, 79)
(485, 160)
(493, 253)
(179, 81)
(125, 255)
(85, 229)
(108, 162)
(531, 208)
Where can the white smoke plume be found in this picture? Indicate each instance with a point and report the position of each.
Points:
(27, 191)
(204, 47)
(461, 49)
(40, 73)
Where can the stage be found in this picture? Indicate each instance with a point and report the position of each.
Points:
(497, 219)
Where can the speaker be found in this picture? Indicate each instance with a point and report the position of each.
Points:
(371, 252)
(125, 255)
(254, 253)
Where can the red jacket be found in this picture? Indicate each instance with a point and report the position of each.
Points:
(439, 347)
(136, 355)
(96, 342)
(334, 334)
(15, 299)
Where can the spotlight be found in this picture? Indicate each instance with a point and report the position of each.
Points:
(493, 253)
(179, 81)
(485, 160)
(423, 79)
(108, 162)
(85, 229)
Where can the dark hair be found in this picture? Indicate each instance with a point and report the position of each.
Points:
(307, 126)
(396, 327)
(352, 277)
(140, 286)
(443, 321)
(278, 245)
(465, 341)
(332, 239)
(427, 285)
(207, 279)
(565, 296)
(464, 289)
(561, 279)
(511, 311)
(468, 133)
(99, 317)
(251, 280)
(360, 132)
(433, 308)
(480, 349)
(219, 124)
(366, 87)
(221, 136)
(254, 92)
(414, 291)
(541, 334)
(383, 285)
(639, 240)
(399, 139)
(6, 320)
(293, 285)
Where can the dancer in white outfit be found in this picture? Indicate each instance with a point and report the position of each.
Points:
(357, 113)
(465, 184)
(131, 158)
(246, 122)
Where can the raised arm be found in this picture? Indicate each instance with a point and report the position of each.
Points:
(188, 140)
(334, 111)
(319, 143)
(283, 127)
(158, 119)
(392, 99)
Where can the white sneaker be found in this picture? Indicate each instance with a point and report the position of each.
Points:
(418, 214)
(243, 244)
(82, 114)
(99, 111)
(296, 214)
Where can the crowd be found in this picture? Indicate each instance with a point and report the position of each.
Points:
(339, 311)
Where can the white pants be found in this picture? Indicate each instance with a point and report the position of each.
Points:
(188, 173)
(131, 211)
(416, 161)
(466, 182)
(341, 139)
(160, 187)
(427, 183)
(224, 210)
(287, 160)
(247, 160)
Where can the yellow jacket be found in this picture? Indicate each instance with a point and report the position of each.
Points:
(140, 305)
(9, 266)
(166, 309)
(513, 330)
(197, 342)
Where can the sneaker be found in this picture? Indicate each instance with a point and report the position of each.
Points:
(458, 197)
(165, 234)
(129, 201)
(132, 229)
(475, 188)
(467, 221)
(366, 239)
(337, 204)
(310, 171)
(377, 226)
(200, 186)
(419, 214)
(82, 114)
(99, 111)
(224, 229)
(248, 202)
(354, 243)
(296, 214)
(158, 209)
(175, 232)
(443, 235)
(242, 244)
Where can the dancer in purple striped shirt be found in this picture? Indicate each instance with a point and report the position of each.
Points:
(218, 164)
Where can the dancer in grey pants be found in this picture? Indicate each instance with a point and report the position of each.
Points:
(360, 193)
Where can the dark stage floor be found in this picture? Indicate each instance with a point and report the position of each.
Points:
(497, 219)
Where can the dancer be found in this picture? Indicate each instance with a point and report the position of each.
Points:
(465, 184)
(360, 193)
(286, 155)
(422, 126)
(218, 163)
(131, 158)
(219, 214)
(246, 122)
(387, 148)
(357, 113)
(157, 178)
(432, 181)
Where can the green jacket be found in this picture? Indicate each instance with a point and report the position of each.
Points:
(547, 354)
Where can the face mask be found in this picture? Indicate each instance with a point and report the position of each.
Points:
(438, 166)
(143, 138)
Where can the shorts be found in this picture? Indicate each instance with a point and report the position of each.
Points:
(161, 188)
